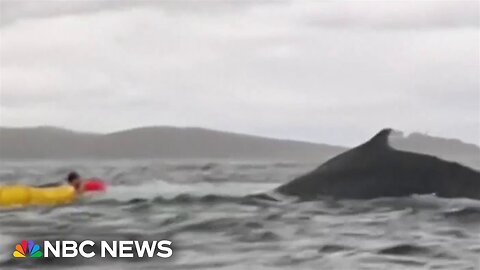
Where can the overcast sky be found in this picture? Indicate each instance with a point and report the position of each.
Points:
(333, 72)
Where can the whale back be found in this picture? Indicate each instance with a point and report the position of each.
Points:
(374, 169)
(362, 155)
(345, 166)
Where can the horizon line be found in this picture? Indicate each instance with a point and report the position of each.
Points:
(404, 134)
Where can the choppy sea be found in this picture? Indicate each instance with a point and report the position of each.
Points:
(203, 208)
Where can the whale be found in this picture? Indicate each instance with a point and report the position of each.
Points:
(374, 169)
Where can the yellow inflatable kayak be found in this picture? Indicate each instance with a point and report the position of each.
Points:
(20, 195)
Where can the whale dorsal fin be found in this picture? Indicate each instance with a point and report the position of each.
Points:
(380, 140)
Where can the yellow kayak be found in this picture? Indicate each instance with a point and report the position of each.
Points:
(21, 195)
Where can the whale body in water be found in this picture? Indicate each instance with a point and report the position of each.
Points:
(375, 169)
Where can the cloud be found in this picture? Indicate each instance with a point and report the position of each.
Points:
(388, 14)
(400, 14)
(18, 10)
(326, 72)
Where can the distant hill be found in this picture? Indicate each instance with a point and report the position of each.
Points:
(194, 143)
(449, 149)
(153, 142)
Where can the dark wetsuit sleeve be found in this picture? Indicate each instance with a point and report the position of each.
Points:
(50, 185)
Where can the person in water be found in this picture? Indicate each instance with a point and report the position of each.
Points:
(78, 183)
(75, 181)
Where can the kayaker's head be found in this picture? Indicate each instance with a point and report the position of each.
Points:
(74, 180)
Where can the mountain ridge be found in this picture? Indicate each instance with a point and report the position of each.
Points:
(48, 142)
(148, 142)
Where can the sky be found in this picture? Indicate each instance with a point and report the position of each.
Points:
(321, 71)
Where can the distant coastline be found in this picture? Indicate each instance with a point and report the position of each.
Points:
(195, 143)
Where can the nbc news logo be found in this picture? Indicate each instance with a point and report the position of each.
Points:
(113, 249)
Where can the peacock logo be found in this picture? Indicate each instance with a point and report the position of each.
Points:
(27, 249)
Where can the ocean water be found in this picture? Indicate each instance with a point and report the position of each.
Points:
(201, 206)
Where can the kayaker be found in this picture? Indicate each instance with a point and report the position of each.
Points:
(76, 181)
